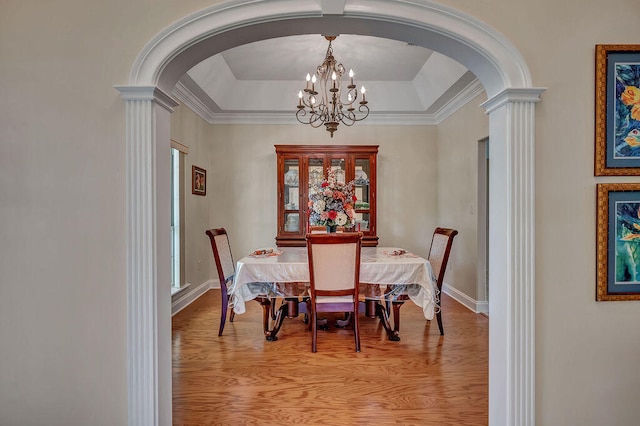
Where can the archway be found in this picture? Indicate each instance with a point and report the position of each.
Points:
(484, 51)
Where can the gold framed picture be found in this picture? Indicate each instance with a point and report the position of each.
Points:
(618, 241)
(617, 119)
(198, 181)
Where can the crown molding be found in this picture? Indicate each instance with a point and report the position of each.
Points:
(191, 101)
(465, 96)
(187, 97)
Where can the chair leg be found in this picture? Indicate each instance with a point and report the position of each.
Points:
(356, 329)
(308, 314)
(223, 314)
(314, 329)
(232, 315)
(439, 318)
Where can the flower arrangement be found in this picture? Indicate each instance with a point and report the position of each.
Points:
(331, 204)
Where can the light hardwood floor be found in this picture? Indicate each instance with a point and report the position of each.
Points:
(240, 378)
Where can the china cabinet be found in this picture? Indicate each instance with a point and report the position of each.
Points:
(302, 167)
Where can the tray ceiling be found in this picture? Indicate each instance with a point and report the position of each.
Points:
(405, 84)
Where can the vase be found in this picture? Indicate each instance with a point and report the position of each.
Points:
(331, 229)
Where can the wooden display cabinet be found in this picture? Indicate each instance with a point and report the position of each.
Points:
(300, 166)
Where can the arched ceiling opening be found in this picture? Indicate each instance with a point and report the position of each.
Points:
(487, 54)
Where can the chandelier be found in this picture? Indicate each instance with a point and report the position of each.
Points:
(324, 101)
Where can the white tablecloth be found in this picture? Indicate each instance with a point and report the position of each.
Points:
(408, 274)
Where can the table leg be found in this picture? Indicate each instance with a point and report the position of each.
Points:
(267, 311)
(396, 314)
(272, 311)
(381, 310)
(290, 308)
(382, 313)
(341, 322)
(370, 307)
(281, 314)
(321, 323)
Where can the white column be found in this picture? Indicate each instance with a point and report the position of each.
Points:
(148, 254)
(512, 257)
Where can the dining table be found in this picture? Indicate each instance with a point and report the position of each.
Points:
(388, 275)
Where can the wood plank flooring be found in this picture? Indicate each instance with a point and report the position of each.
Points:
(240, 378)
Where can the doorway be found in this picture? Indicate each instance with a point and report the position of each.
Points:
(482, 273)
(493, 59)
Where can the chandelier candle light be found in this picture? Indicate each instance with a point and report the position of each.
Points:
(321, 100)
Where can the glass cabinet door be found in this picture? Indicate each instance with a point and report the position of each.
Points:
(363, 193)
(315, 176)
(291, 195)
(339, 168)
(315, 171)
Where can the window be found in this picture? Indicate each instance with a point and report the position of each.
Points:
(178, 152)
(175, 218)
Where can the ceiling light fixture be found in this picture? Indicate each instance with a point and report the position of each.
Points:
(321, 100)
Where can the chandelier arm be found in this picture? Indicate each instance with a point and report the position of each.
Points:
(314, 119)
(350, 117)
(365, 110)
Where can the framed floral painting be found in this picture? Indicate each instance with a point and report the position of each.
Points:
(618, 241)
(617, 120)
(198, 181)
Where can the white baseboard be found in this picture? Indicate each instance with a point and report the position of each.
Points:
(190, 295)
(463, 299)
(482, 307)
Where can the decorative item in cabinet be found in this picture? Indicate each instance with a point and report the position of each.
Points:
(291, 177)
(302, 167)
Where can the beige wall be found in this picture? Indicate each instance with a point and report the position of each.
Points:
(190, 130)
(244, 166)
(458, 138)
(62, 189)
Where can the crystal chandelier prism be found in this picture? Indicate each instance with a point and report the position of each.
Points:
(324, 100)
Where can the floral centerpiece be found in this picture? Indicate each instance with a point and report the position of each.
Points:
(331, 204)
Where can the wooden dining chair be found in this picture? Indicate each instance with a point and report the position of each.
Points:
(226, 269)
(334, 272)
(439, 251)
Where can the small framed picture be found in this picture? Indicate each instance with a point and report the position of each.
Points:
(617, 120)
(618, 241)
(198, 181)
